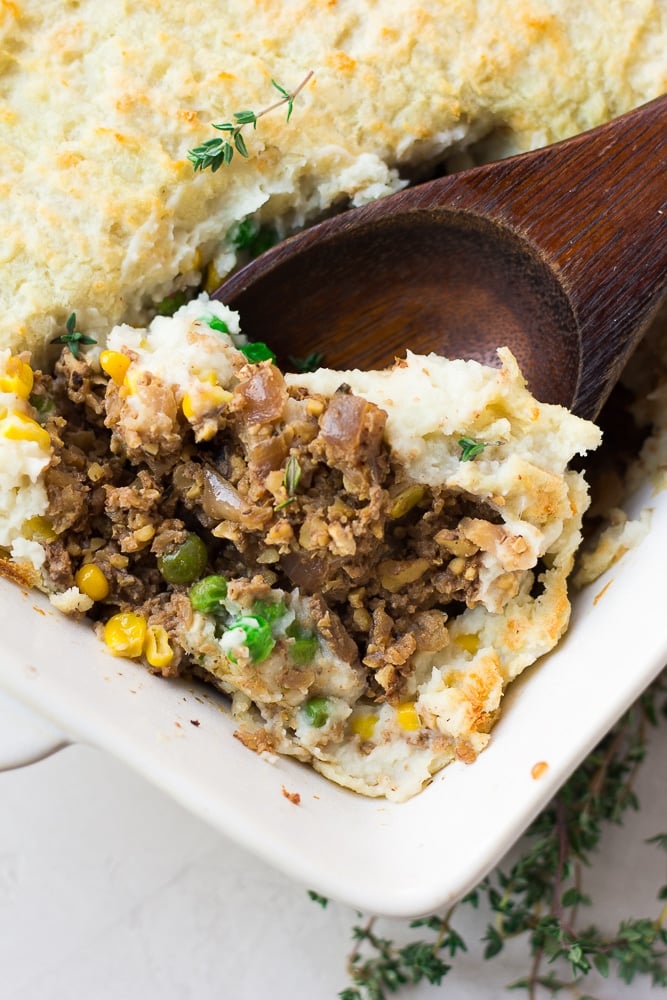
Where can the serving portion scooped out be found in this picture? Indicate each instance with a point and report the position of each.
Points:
(361, 560)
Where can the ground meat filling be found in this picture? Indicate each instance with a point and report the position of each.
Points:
(297, 488)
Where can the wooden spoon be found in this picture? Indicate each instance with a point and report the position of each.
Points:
(560, 254)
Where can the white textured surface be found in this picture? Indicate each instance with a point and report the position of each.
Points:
(110, 890)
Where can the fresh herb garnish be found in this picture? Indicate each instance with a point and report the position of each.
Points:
(218, 152)
(310, 363)
(292, 476)
(540, 897)
(291, 480)
(470, 448)
(73, 337)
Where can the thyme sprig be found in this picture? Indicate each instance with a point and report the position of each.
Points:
(215, 153)
(470, 448)
(292, 476)
(310, 363)
(72, 337)
(291, 480)
(390, 967)
(541, 896)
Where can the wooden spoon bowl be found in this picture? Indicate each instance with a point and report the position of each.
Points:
(560, 254)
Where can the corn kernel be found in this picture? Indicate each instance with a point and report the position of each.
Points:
(125, 634)
(17, 426)
(18, 377)
(157, 648)
(213, 278)
(187, 406)
(115, 365)
(469, 641)
(364, 725)
(406, 716)
(219, 396)
(92, 582)
(206, 400)
(130, 383)
(315, 407)
(207, 432)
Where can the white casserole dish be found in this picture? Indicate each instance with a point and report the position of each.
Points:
(394, 859)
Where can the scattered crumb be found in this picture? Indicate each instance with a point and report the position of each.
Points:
(539, 769)
(293, 797)
(602, 592)
(70, 602)
(195, 722)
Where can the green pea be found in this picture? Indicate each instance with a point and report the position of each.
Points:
(273, 611)
(305, 644)
(258, 636)
(44, 405)
(171, 304)
(216, 323)
(207, 594)
(257, 351)
(316, 711)
(186, 562)
(248, 235)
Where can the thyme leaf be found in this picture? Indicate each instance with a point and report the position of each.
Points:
(292, 476)
(218, 152)
(470, 448)
(72, 337)
(310, 363)
(291, 480)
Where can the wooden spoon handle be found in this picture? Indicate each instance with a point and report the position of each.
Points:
(594, 208)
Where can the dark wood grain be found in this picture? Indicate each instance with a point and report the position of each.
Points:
(560, 254)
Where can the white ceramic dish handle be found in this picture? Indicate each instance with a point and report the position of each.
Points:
(24, 736)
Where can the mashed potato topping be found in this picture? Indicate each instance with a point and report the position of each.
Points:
(25, 452)
(362, 561)
(100, 103)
